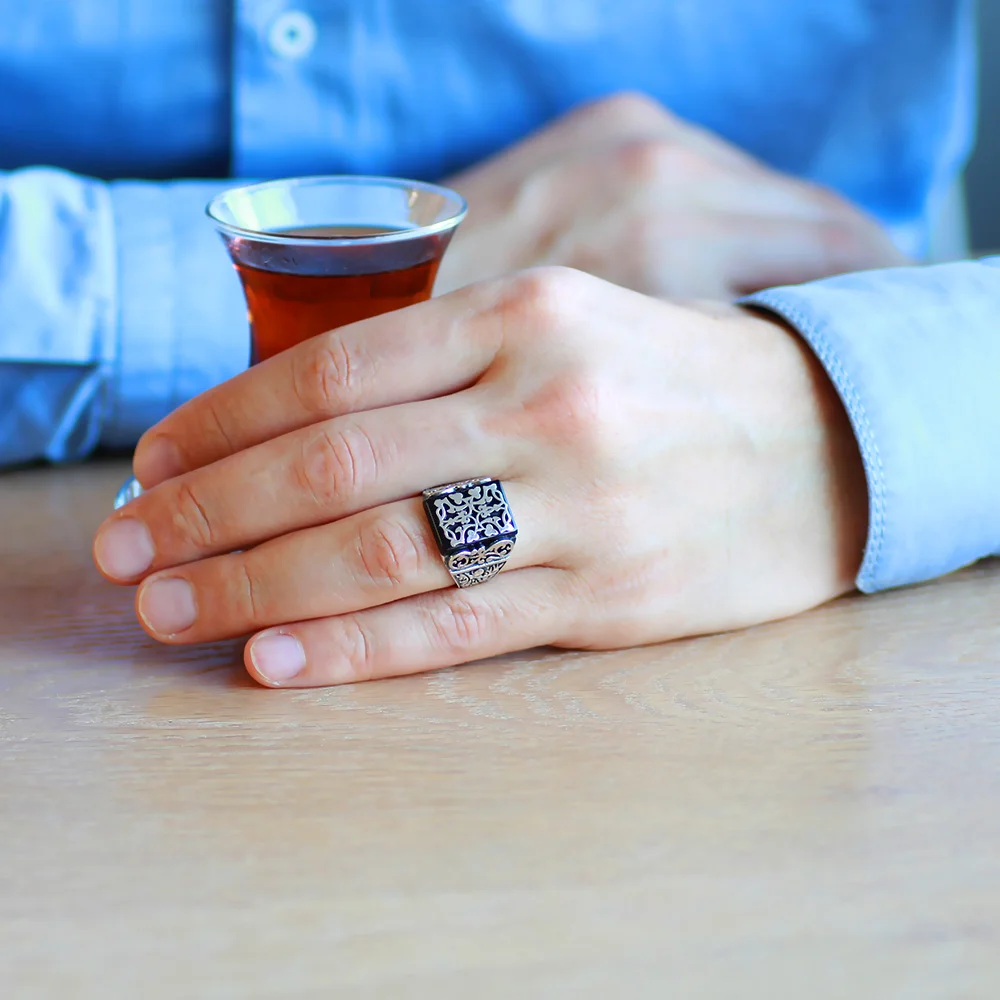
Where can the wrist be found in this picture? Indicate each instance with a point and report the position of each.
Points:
(811, 414)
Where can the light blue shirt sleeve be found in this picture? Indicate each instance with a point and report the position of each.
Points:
(914, 354)
(117, 302)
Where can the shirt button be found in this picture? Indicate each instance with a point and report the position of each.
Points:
(292, 35)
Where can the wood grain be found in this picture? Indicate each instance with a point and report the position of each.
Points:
(805, 809)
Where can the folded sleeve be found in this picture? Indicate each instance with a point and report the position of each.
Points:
(914, 354)
(117, 302)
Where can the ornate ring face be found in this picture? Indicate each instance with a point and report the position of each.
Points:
(473, 526)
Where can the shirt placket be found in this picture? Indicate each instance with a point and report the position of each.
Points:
(287, 77)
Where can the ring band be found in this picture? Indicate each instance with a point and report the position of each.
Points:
(473, 526)
(130, 489)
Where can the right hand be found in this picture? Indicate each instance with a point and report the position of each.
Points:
(707, 478)
(627, 191)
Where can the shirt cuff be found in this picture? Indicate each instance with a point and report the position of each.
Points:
(914, 354)
(182, 323)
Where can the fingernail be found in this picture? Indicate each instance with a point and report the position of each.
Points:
(156, 461)
(278, 657)
(124, 548)
(167, 605)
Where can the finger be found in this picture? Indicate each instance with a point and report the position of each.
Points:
(365, 560)
(415, 353)
(764, 252)
(308, 477)
(529, 607)
(763, 193)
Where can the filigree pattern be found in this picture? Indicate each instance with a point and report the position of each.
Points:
(484, 555)
(480, 574)
(475, 513)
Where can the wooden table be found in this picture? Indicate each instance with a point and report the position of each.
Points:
(807, 809)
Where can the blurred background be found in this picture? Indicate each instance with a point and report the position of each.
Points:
(983, 175)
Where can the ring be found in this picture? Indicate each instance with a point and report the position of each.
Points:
(130, 489)
(473, 526)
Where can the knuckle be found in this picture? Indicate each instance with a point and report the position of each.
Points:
(218, 426)
(568, 412)
(541, 296)
(354, 650)
(327, 378)
(336, 463)
(392, 551)
(837, 236)
(458, 624)
(843, 245)
(248, 593)
(190, 518)
(824, 198)
(632, 109)
(655, 160)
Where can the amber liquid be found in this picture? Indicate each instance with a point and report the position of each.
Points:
(295, 292)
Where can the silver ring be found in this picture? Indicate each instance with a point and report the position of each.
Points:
(473, 526)
(130, 489)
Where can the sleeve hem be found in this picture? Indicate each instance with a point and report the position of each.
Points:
(140, 384)
(181, 319)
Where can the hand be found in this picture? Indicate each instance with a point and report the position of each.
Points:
(672, 470)
(625, 190)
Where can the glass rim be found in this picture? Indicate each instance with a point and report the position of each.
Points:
(347, 180)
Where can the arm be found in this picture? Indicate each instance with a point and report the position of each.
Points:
(116, 304)
(914, 354)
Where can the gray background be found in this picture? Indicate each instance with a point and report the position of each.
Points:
(983, 175)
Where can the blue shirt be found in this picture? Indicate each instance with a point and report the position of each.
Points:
(117, 301)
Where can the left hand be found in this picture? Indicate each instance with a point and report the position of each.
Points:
(672, 470)
(629, 192)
